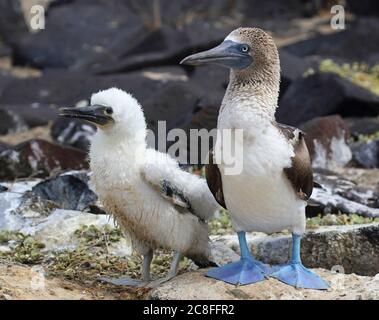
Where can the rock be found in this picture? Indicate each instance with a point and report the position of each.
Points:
(367, 178)
(366, 154)
(341, 195)
(164, 46)
(73, 133)
(3, 188)
(10, 123)
(39, 158)
(354, 44)
(195, 286)
(12, 23)
(354, 247)
(292, 68)
(57, 230)
(324, 94)
(96, 25)
(31, 115)
(362, 126)
(363, 8)
(66, 192)
(327, 141)
(4, 146)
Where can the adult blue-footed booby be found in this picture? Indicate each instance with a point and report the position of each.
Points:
(151, 198)
(271, 192)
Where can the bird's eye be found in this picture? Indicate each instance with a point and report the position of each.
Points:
(245, 48)
(109, 111)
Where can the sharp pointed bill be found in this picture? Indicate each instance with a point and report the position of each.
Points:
(229, 54)
(98, 115)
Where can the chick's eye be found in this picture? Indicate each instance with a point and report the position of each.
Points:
(245, 48)
(109, 111)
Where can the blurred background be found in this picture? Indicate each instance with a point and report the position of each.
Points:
(137, 45)
(329, 88)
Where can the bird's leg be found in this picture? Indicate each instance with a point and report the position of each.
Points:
(246, 271)
(147, 258)
(295, 274)
(171, 273)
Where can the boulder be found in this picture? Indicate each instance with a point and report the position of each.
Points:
(19, 117)
(324, 94)
(366, 154)
(12, 22)
(362, 126)
(66, 192)
(96, 25)
(163, 46)
(336, 194)
(39, 158)
(354, 44)
(353, 247)
(327, 141)
(363, 7)
(10, 122)
(195, 286)
(74, 133)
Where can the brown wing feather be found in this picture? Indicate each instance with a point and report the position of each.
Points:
(214, 181)
(300, 173)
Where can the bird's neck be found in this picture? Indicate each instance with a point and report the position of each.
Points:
(257, 90)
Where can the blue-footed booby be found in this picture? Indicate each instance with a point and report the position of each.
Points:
(152, 199)
(271, 192)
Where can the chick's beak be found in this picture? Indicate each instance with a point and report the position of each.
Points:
(226, 54)
(94, 114)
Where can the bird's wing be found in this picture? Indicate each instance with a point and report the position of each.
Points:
(300, 173)
(186, 191)
(214, 181)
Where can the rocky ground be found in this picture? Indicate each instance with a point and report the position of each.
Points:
(55, 239)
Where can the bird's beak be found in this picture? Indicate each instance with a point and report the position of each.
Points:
(227, 54)
(95, 114)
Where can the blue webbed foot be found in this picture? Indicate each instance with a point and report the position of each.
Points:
(245, 271)
(295, 274)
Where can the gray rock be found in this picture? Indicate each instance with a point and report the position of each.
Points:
(364, 126)
(194, 285)
(337, 194)
(366, 154)
(355, 248)
(323, 94)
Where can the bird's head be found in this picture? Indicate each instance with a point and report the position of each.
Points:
(112, 111)
(244, 50)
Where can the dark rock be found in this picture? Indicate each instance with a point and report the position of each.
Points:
(338, 194)
(327, 141)
(323, 94)
(366, 154)
(164, 46)
(4, 146)
(23, 116)
(10, 122)
(39, 158)
(79, 29)
(292, 68)
(353, 44)
(62, 88)
(362, 126)
(73, 133)
(12, 23)
(363, 7)
(66, 191)
(3, 188)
